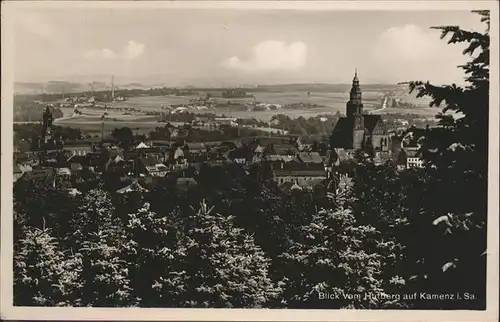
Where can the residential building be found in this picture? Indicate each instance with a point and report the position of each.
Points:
(240, 155)
(306, 143)
(118, 165)
(303, 169)
(281, 149)
(311, 160)
(77, 147)
(302, 177)
(151, 166)
(410, 158)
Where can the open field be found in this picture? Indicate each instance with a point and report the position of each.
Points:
(97, 126)
(332, 100)
(328, 103)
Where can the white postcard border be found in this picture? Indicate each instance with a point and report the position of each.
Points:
(9, 312)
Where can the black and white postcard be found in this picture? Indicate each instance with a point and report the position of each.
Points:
(250, 160)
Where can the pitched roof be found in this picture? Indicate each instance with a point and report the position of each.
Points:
(286, 186)
(134, 186)
(178, 153)
(310, 157)
(64, 171)
(25, 167)
(283, 149)
(280, 158)
(343, 155)
(260, 149)
(342, 133)
(371, 121)
(81, 159)
(75, 167)
(114, 160)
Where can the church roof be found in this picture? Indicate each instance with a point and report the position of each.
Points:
(371, 121)
(342, 133)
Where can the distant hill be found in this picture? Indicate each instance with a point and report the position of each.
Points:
(54, 87)
(324, 87)
(57, 87)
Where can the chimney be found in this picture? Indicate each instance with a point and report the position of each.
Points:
(113, 87)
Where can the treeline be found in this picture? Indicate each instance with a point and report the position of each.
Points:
(34, 113)
(235, 93)
(106, 95)
(31, 132)
(321, 124)
(235, 240)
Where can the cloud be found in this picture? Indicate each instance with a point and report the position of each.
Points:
(130, 51)
(36, 23)
(133, 50)
(271, 55)
(408, 42)
(416, 53)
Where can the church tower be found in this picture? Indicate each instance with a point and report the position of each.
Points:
(47, 125)
(355, 114)
(355, 105)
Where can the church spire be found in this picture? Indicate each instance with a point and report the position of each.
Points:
(355, 80)
(355, 105)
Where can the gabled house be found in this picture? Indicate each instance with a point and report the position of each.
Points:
(142, 145)
(118, 165)
(311, 160)
(258, 153)
(150, 166)
(305, 143)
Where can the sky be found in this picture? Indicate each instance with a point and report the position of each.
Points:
(223, 46)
